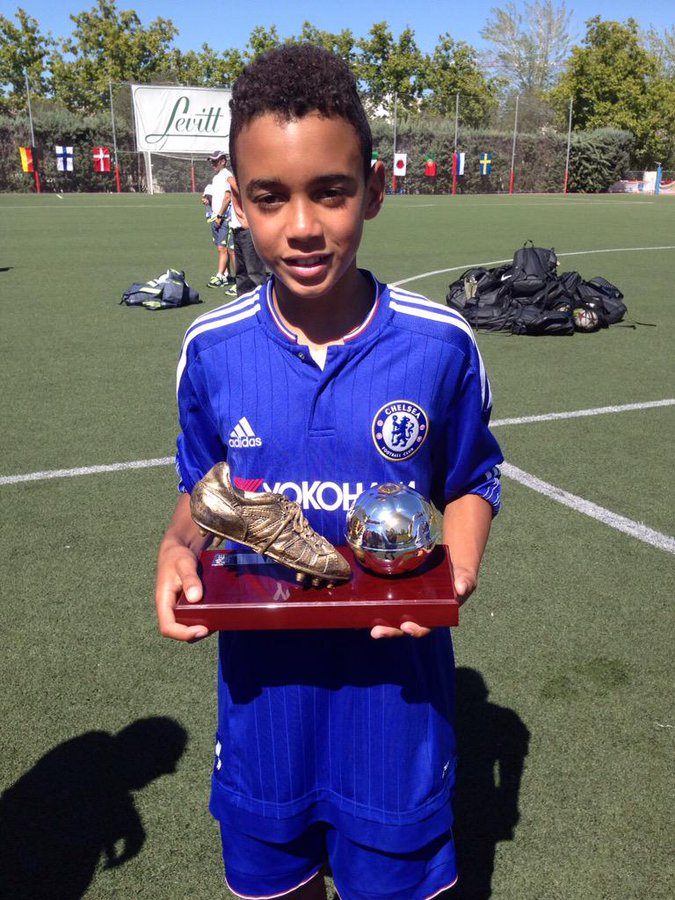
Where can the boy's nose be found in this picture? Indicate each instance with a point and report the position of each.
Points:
(303, 224)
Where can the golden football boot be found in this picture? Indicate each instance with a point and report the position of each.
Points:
(268, 523)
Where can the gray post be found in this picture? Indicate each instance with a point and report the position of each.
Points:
(513, 148)
(112, 117)
(395, 103)
(456, 120)
(569, 142)
(148, 172)
(30, 114)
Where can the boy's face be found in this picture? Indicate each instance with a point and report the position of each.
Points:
(300, 188)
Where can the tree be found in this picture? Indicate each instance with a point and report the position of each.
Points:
(106, 45)
(342, 44)
(23, 49)
(261, 41)
(388, 70)
(453, 69)
(662, 45)
(205, 68)
(530, 46)
(614, 81)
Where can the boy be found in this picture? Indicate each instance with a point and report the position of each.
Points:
(333, 747)
(207, 200)
(220, 221)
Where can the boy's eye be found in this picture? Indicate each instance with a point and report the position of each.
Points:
(267, 199)
(334, 196)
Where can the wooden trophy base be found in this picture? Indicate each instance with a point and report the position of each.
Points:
(245, 591)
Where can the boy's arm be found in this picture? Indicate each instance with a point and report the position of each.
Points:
(466, 526)
(225, 204)
(177, 571)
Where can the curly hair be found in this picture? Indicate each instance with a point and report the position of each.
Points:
(292, 81)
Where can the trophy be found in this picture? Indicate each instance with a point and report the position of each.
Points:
(391, 571)
(392, 529)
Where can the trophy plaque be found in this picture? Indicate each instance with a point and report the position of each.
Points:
(246, 591)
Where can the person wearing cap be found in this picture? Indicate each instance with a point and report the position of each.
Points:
(220, 202)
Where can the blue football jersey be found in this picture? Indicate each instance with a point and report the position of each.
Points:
(331, 725)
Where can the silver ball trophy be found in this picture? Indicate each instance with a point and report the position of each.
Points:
(392, 529)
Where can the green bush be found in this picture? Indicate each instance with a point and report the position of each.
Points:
(599, 158)
(82, 133)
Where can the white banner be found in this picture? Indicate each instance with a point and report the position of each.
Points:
(173, 119)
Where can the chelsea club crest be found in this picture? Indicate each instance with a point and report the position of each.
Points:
(399, 429)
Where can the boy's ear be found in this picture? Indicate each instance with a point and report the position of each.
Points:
(236, 200)
(375, 190)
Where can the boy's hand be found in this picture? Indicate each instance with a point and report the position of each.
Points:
(412, 629)
(176, 573)
(465, 585)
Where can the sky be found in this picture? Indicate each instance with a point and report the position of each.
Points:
(229, 25)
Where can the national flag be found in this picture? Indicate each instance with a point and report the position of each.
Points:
(64, 158)
(101, 159)
(459, 163)
(27, 163)
(374, 156)
(485, 163)
(400, 164)
(430, 169)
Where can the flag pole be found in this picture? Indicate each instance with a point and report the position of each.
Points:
(569, 141)
(393, 177)
(192, 171)
(150, 184)
(513, 148)
(456, 118)
(454, 152)
(32, 135)
(114, 135)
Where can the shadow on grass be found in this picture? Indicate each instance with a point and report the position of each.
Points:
(76, 804)
(492, 745)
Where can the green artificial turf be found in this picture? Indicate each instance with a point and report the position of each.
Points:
(565, 653)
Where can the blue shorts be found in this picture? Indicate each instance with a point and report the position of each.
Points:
(257, 869)
(220, 233)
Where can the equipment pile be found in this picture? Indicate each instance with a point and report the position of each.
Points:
(528, 296)
(167, 291)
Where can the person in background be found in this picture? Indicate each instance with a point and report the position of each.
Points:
(220, 204)
(250, 269)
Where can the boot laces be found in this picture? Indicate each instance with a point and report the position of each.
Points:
(299, 523)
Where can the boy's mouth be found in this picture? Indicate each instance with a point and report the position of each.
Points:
(308, 265)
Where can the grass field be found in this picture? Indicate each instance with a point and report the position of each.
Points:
(565, 654)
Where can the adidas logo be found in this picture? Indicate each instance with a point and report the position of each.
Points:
(242, 435)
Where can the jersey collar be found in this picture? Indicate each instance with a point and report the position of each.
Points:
(364, 331)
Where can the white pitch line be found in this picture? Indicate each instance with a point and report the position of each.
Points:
(578, 413)
(87, 470)
(498, 262)
(579, 504)
(78, 208)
